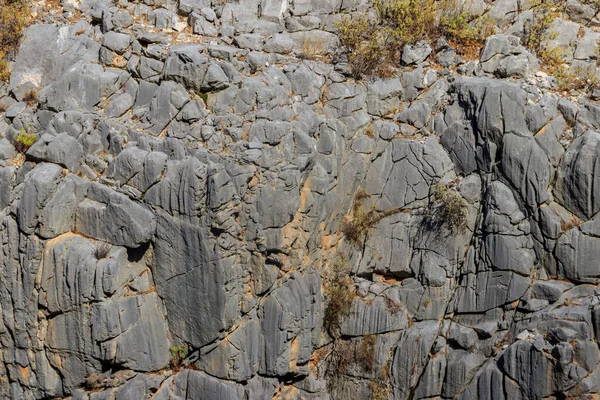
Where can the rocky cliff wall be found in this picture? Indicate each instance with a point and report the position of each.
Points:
(184, 219)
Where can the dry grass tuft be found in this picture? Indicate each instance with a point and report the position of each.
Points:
(339, 294)
(364, 217)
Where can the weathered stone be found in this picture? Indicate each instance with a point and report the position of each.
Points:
(417, 53)
(112, 217)
(577, 185)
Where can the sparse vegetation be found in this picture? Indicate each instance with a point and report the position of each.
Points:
(204, 97)
(364, 217)
(14, 18)
(178, 355)
(339, 293)
(338, 363)
(448, 207)
(312, 49)
(365, 353)
(369, 130)
(380, 390)
(24, 140)
(576, 78)
(537, 36)
(374, 46)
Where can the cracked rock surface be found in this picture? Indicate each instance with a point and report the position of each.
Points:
(196, 168)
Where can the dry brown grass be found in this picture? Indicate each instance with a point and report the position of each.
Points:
(380, 389)
(339, 362)
(449, 207)
(576, 78)
(570, 224)
(365, 353)
(15, 16)
(339, 294)
(31, 97)
(364, 217)
(369, 131)
(313, 49)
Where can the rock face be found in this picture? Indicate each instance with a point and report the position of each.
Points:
(175, 230)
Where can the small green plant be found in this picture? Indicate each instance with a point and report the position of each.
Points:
(464, 32)
(449, 207)
(178, 355)
(339, 294)
(204, 97)
(24, 140)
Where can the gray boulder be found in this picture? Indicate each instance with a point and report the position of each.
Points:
(417, 53)
(577, 182)
(109, 216)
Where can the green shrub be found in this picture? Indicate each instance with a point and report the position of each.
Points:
(449, 207)
(24, 141)
(178, 355)
(374, 46)
(339, 294)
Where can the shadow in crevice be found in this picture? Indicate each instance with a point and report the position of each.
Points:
(136, 254)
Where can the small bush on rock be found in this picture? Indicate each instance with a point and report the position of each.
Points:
(178, 355)
(339, 362)
(364, 217)
(24, 140)
(339, 294)
(380, 389)
(96, 381)
(449, 207)
(31, 97)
